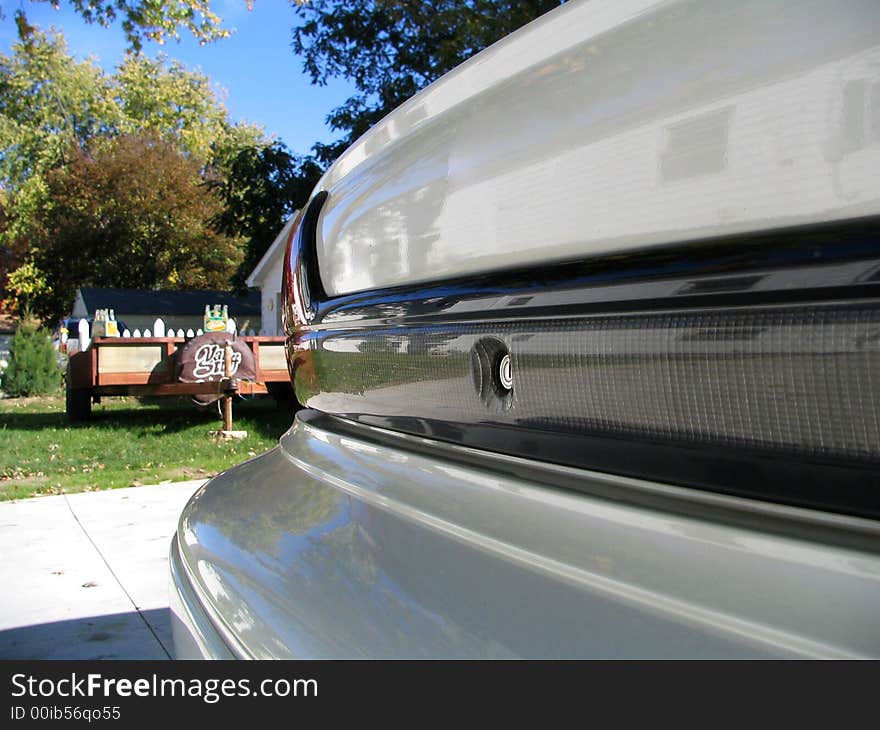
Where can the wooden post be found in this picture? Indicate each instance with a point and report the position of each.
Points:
(255, 348)
(227, 432)
(227, 400)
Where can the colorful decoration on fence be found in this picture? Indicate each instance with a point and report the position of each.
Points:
(216, 318)
(105, 324)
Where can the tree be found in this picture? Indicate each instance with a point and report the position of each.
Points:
(143, 19)
(50, 103)
(164, 97)
(33, 369)
(391, 49)
(260, 188)
(129, 213)
(53, 106)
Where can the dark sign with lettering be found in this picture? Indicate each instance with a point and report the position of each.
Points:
(203, 359)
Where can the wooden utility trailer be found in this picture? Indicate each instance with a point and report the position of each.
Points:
(147, 366)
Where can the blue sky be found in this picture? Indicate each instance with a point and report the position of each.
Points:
(263, 79)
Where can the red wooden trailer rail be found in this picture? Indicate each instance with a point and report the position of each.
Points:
(146, 366)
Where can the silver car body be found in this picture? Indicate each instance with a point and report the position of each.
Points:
(603, 127)
(611, 126)
(331, 547)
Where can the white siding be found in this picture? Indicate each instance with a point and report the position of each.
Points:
(270, 290)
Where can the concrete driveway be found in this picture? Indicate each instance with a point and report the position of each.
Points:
(85, 576)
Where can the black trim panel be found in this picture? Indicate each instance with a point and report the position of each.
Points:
(383, 358)
(307, 252)
(829, 261)
(813, 483)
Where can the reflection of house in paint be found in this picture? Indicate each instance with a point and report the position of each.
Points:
(854, 141)
(780, 152)
(683, 123)
(778, 148)
(696, 146)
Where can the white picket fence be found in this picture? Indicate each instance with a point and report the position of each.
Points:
(85, 332)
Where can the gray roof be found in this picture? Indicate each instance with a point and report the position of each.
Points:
(167, 302)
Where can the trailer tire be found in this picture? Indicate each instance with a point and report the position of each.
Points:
(77, 401)
(283, 395)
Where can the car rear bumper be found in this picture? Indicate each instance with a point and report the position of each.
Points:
(345, 541)
(195, 635)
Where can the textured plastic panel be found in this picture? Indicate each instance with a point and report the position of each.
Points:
(798, 379)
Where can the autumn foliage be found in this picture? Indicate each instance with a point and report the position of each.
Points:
(130, 214)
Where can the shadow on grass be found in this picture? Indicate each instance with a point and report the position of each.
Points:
(261, 416)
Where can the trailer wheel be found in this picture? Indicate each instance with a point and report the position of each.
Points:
(283, 395)
(77, 401)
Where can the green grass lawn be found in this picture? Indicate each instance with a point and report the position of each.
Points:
(126, 443)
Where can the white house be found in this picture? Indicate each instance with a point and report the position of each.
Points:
(266, 276)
